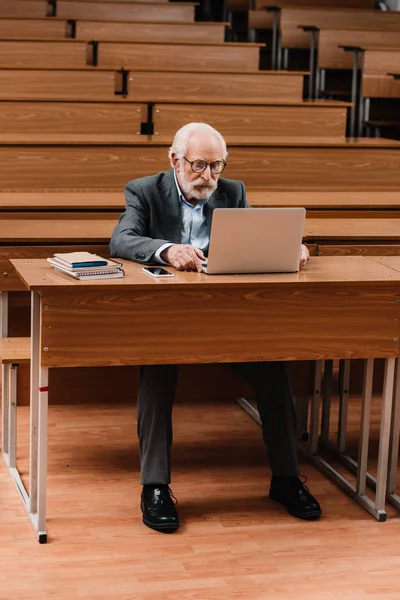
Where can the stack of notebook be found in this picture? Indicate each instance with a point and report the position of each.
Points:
(84, 265)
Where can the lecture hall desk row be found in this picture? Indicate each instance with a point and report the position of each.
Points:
(112, 11)
(191, 55)
(114, 118)
(98, 161)
(27, 235)
(136, 31)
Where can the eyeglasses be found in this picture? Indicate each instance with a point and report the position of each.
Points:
(198, 166)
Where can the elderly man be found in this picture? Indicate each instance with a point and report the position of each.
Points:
(167, 220)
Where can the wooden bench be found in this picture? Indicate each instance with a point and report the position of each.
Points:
(191, 56)
(354, 236)
(24, 8)
(319, 118)
(72, 117)
(288, 25)
(244, 5)
(120, 11)
(32, 28)
(60, 84)
(321, 203)
(302, 119)
(99, 161)
(49, 53)
(104, 84)
(166, 31)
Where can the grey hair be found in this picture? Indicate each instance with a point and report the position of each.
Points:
(183, 135)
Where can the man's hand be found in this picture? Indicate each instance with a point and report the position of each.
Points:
(305, 256)
(183, 257)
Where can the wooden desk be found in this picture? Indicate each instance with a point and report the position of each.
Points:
(336, 308)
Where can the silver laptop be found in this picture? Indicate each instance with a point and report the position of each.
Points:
(255, 240)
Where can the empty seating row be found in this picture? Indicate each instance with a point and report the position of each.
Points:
(105, 161)
(143, 86)
(166, 31)
(195, 56)
(113, 11)
(131, 119)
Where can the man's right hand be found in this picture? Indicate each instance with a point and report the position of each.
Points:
(183, 257)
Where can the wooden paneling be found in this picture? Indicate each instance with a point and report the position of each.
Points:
(359, 250)
(114, 11)
(253, 120)
(149, 32)
(380, 62)
(291, 19)
(215, 87)
(303, 167)
(78, 117)
(377, 230)
(377, 86)
(32, 28)
(46, 53)
(222, 57)
(11, 282)
(23, 8)
(331, 56)
(56, 85)
(269, 312)
(244, 5)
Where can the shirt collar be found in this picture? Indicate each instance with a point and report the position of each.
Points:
(182, 197)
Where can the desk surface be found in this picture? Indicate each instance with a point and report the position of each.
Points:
(38, 274)
(338, 307)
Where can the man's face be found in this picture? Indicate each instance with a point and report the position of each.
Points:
(199, 186)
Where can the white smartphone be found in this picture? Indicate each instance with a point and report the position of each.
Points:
(157, 272)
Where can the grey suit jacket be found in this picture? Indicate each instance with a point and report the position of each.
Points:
(152, 215)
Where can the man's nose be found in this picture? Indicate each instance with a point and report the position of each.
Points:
(206, 174)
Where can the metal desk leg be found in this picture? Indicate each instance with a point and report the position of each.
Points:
(344, 377)
(392, 496)
(326, 400)
(354, 95)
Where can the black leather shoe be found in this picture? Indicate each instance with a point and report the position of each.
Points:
(158, 508)
(295, 497)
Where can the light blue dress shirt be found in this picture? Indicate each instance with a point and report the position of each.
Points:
(194, 227)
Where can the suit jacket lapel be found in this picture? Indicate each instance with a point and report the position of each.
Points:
(217, 200)
(170, 207)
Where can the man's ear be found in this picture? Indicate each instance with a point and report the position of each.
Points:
(175, 161)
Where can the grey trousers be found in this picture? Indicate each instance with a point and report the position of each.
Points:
(271, 385)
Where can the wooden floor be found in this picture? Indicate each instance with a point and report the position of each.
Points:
(234, 543)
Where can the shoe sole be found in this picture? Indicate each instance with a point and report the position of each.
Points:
(164, 528)
(309, 516)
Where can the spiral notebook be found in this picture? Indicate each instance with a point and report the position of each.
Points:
(86, 267)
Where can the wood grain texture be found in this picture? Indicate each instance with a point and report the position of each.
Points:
(380, 63)
(53, 54)
(318, 167)
(294, 37)
(358, 250)
(69, 117)
(331, 56)
(32, 28)
(148, 32)
(15, 350)
(171, 11)
(215, 87)
(171, 56)
(57, 85)
(264, 321)
(23, 8)
(255, 120)
(379, 86)
(10, 280)
(345, 229)
(371, 203)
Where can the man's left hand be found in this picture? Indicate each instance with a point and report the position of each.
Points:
(304, 257)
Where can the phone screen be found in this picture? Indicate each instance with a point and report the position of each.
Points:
(157, 272)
